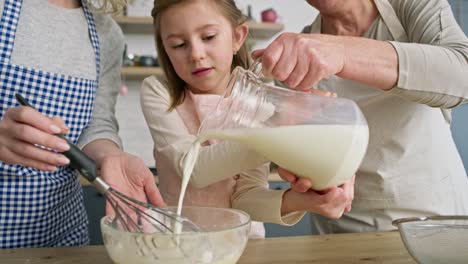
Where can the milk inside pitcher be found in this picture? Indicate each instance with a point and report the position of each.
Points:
(322, 138)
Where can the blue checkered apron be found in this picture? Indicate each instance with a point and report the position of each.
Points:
(42, 209)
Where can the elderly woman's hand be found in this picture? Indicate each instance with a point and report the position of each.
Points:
(331, 203)
(302, 60)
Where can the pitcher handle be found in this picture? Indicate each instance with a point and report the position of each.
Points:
(256, 67)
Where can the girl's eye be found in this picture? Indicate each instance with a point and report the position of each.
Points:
(210, 37)
(181, 45)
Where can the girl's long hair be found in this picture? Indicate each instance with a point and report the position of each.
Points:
(175, 84)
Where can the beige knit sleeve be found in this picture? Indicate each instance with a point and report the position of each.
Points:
(252, 195)
(433, 66)
(172, 141)
(103, 123)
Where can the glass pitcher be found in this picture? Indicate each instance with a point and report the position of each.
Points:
(322, 138)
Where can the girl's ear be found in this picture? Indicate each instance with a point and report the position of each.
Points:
(240, 34)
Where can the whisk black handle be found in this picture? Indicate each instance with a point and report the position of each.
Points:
(78, 159)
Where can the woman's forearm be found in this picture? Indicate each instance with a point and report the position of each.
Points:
(300, 61)
(368, 61)
(101, 148)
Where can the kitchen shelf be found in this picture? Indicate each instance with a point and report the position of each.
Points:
(264, 30)
(140, 72)
(123, 20)
(144, 25)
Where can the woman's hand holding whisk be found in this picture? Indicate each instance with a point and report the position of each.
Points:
(129, 175)
(22, 130)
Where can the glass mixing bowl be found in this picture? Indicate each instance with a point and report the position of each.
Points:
(222, 239)
(435, 239)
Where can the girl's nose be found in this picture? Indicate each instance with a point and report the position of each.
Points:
(197, 51)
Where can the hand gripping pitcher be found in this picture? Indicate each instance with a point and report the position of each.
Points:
(322, 138)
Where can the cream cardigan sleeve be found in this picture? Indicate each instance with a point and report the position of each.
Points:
(172, 141)
(253, 196)
(433, 66)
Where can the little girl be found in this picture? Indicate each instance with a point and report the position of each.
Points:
(199, 42)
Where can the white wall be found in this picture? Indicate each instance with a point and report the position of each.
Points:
(295, 14)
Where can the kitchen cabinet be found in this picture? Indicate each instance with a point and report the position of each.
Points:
(95, 208)
(459, 128)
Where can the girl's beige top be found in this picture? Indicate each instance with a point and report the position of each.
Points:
(226, 174)
(412, 167)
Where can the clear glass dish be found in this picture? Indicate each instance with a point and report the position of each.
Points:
(435, 239)
(222, 240)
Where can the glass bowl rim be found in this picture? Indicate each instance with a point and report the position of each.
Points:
(248, 221)
(399, 221)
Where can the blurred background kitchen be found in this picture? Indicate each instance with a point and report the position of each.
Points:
(140, 61)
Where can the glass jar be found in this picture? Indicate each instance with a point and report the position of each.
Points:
(322, 138)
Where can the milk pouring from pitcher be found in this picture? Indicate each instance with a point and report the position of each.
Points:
(322, 138)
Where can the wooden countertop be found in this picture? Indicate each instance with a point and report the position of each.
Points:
(384, 247)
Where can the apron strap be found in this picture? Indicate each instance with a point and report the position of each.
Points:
(93, 35)
(8, 25)
(391, 19)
